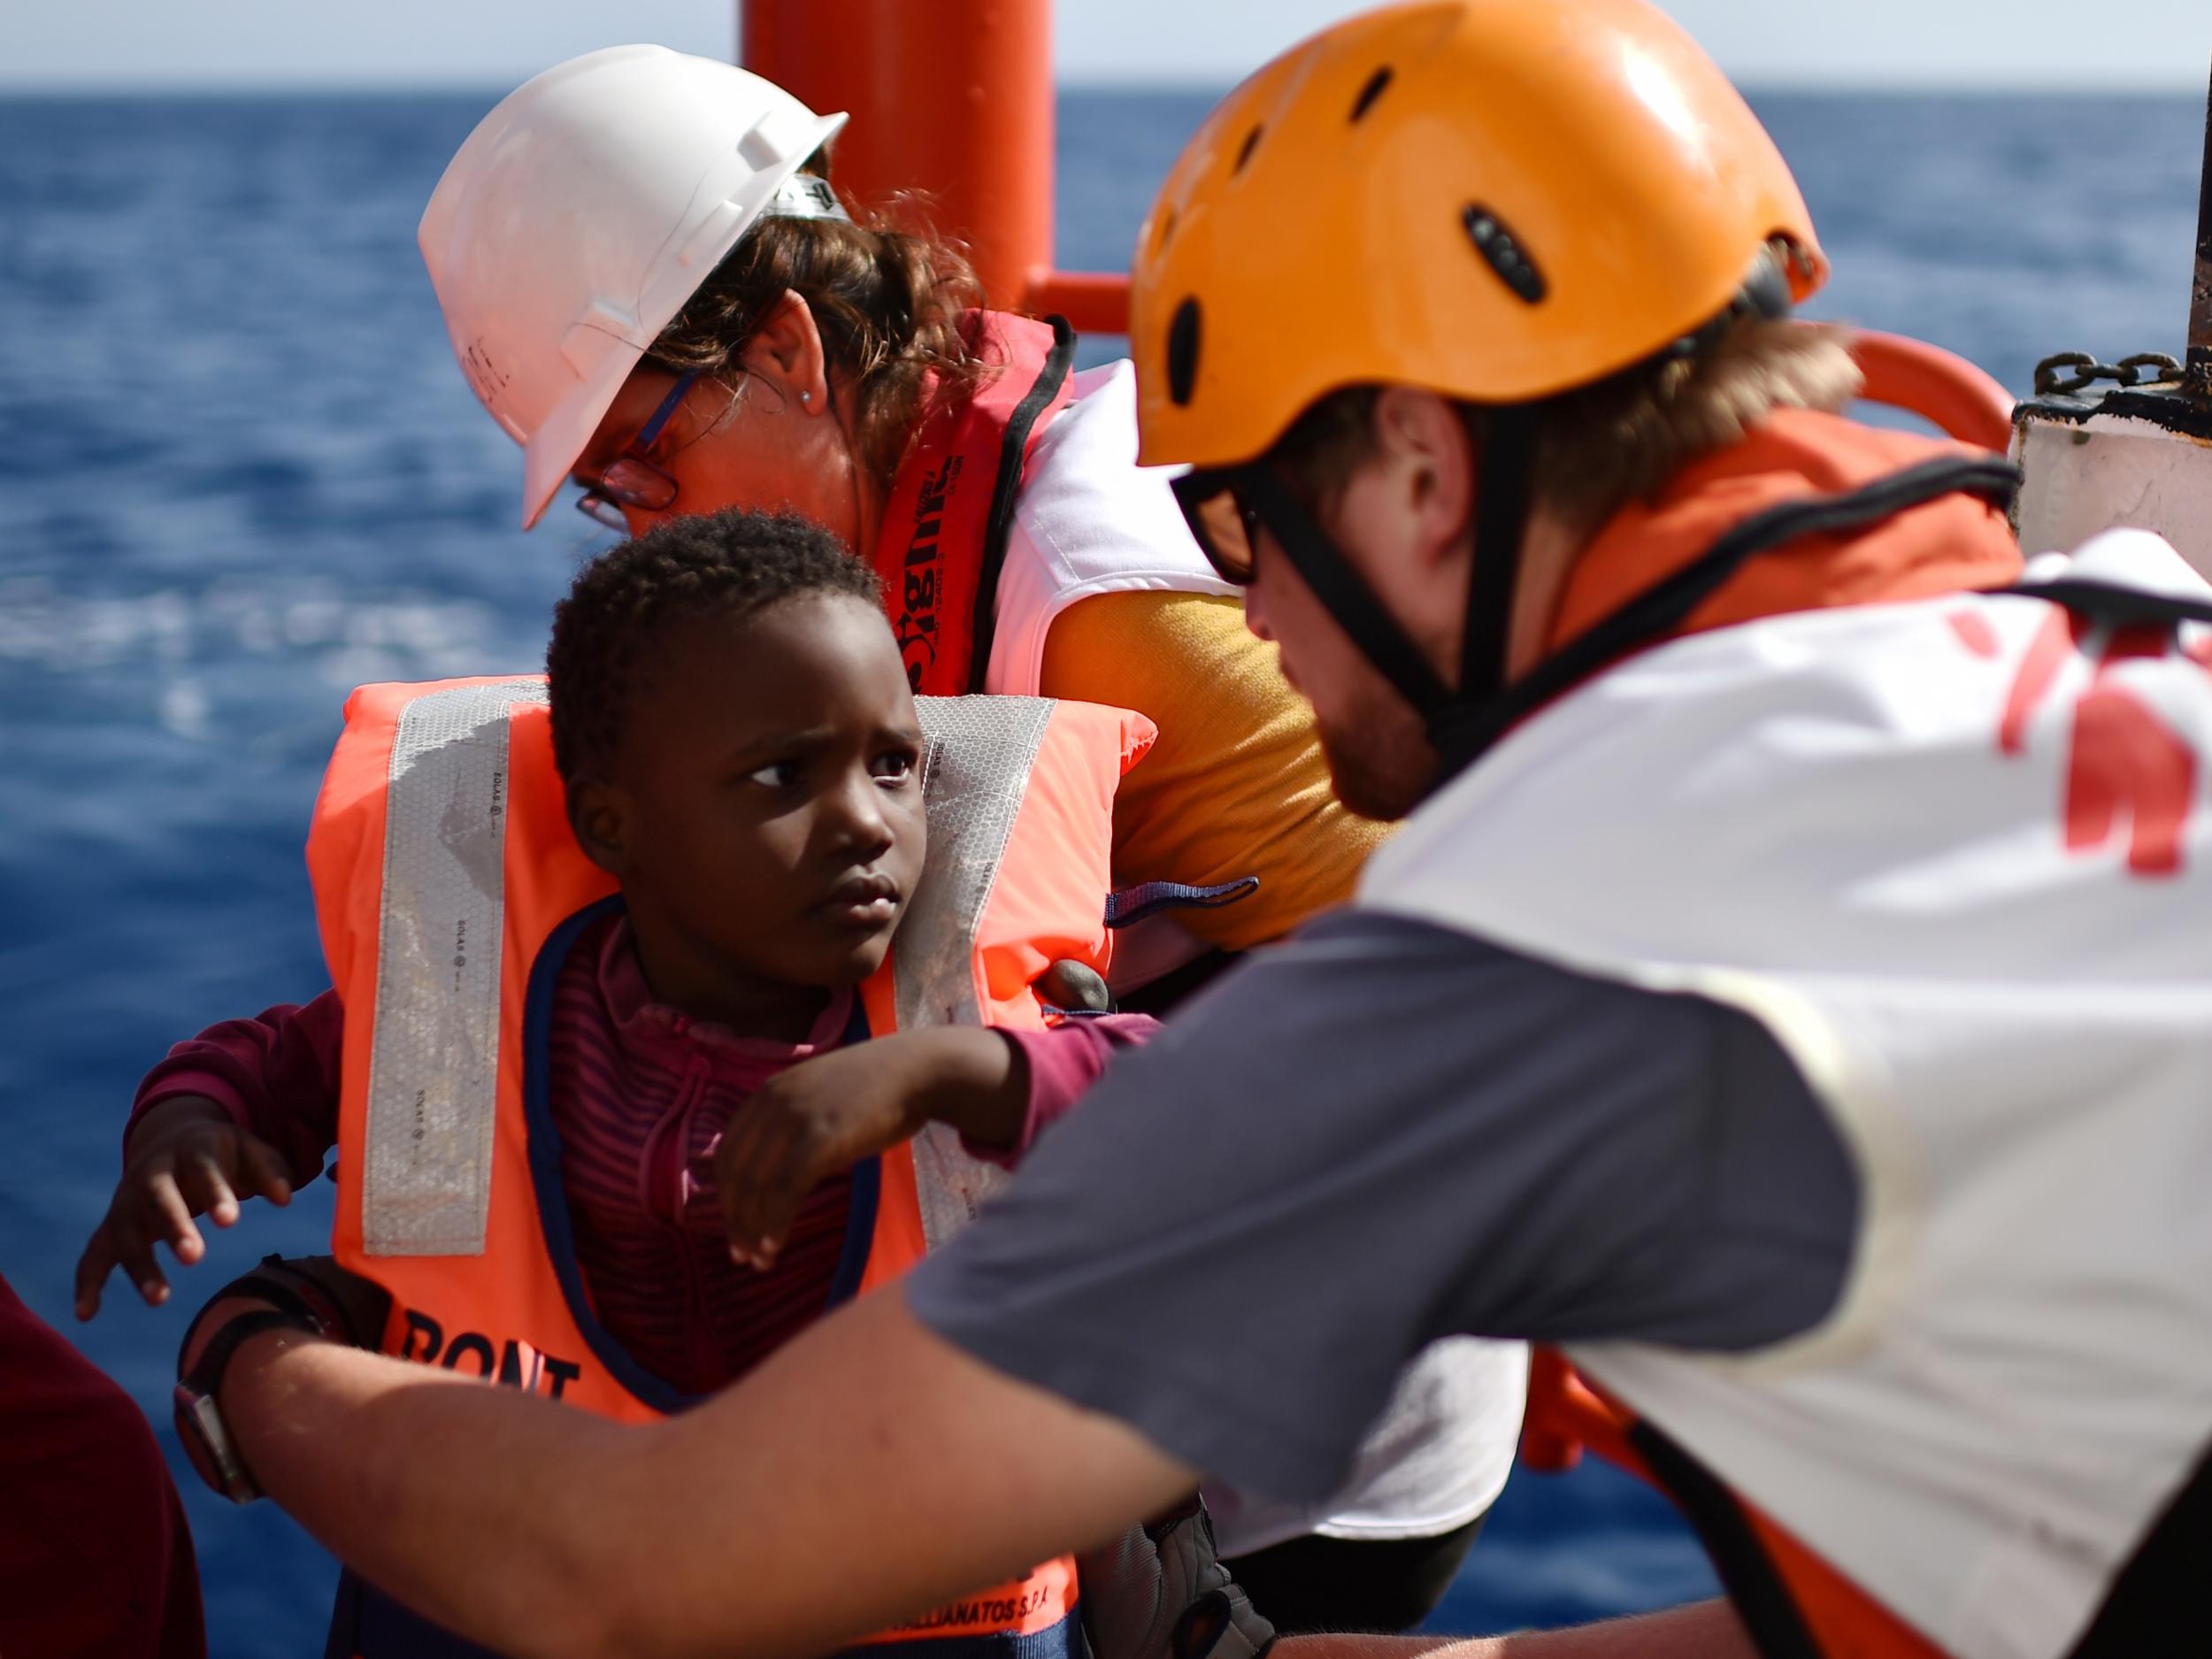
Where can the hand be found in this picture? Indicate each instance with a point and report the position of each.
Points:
(827, 1113)
(187, 1158)
(1160, 1591)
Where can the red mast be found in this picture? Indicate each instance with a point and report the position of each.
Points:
(954, 98)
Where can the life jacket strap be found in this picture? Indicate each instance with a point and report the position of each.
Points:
(1661, 610)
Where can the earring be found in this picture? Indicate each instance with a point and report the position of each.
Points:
(806, 398)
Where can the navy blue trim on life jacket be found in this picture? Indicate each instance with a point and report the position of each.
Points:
(544, 1140)
(366, 1623)
(1063, 1640)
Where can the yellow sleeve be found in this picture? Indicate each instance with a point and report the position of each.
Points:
(1236, 785)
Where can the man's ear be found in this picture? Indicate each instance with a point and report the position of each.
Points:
(1433, 460)
(600, 815)
(786, 351)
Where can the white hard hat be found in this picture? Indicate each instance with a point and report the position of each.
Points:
(582, 213)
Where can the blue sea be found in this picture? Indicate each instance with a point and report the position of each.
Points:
(240, 474)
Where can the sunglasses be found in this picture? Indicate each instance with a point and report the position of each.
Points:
(1218, 505)
(1227, 507)
(632, 480)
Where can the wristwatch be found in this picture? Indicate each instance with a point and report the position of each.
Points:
(200, 1425)
(300, 1303)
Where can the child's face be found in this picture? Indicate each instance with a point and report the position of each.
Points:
(769, 798)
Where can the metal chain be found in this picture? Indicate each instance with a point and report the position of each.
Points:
(2145, 368)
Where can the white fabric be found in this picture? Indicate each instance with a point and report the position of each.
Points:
(1089, 521)
(1437, 1457)
(1814, 818)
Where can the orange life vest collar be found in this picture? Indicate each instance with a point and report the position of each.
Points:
(945, 521)
(1953, 543)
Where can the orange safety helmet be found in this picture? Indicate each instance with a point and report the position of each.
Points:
(1496, 200)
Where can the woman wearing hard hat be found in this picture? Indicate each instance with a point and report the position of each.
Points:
(652, 285)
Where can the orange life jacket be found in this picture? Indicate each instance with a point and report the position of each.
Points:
(951, 505)
(449, 888)
(1954, 541)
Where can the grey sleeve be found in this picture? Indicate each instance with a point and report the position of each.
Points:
(1378, 1135)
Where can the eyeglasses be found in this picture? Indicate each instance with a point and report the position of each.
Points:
(632, 480)
(1222, 522)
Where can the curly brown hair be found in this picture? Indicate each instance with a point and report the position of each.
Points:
(888, 301)
(732, 564)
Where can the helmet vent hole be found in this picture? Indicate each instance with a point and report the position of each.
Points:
(1251, 144)
(1182, 353)
(1167, 229)
(1368, 93)
(1496, 241)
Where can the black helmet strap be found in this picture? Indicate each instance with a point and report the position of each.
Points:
(1509, 454)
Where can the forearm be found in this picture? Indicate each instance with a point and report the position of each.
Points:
(865, 1472)
(1062, 1063)
(974, 1080)
(404, 1472)
(1704, 1630)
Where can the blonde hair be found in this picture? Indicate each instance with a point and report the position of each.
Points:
(1600, 447)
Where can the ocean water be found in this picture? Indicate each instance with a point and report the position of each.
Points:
(240, 474)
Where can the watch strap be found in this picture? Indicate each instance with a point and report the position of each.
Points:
(274, 1280)
(206, 1375)
(204, 1434)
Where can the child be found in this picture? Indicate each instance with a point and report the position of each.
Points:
(739, 750)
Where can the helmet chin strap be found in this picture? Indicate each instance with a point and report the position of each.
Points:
(1343, 592)
(1445, 712)
(1508, 450)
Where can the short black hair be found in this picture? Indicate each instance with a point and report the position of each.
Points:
(728, 564)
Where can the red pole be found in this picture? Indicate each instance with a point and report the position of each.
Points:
(953, 98)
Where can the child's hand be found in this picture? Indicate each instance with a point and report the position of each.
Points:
(187, 1158)
(828, 1113)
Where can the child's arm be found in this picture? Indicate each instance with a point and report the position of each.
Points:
(1061, 1064)
(246, 1108)
(1000, 1089)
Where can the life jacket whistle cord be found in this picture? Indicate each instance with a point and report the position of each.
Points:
(447, 887)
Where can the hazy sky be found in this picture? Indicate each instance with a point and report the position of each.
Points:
(495, 43)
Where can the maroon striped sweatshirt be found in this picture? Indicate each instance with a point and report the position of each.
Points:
(639, 1095)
